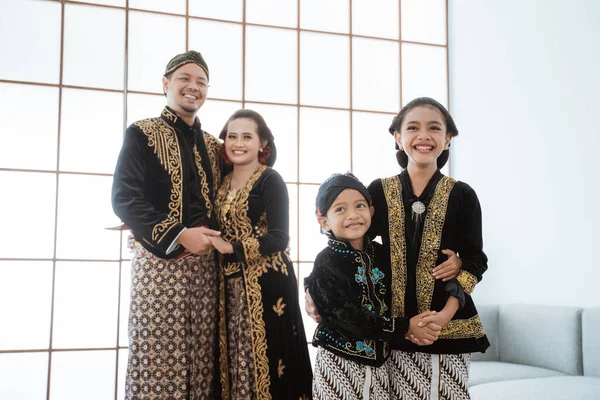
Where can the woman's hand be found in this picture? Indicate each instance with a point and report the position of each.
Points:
(222, 246)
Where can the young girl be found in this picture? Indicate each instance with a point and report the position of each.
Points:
(265, 354)
(422, 217)
(351, 289)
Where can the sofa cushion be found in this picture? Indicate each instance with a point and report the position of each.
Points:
(489, 317)
(541, 336)
(590, 332)
(492, 371)
(556, 388)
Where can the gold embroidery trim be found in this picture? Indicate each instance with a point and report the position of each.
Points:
(213, 147)
(279, 306)
(430, 242)
(231, 269)
(280, 368)
(463, 329)
(162, 138)
(392, 189)
(251, 248)
(169, 115)
(259, 333)
(204, 189)
(467, 280)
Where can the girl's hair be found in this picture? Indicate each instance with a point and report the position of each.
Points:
(401, 156)
(269, 153)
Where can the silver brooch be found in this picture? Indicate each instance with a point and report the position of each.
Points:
(418, 208)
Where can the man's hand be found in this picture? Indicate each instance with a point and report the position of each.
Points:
(422, 330)
(130, 242)
(222, 246)
(195, 240)
(310, 308)
(449, 269)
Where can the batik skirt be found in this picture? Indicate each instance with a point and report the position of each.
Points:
(172, 328)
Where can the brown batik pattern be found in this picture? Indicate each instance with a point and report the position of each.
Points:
(338, 378)
(454, 376)
(411, 376)
(239, 341)
(172, 328)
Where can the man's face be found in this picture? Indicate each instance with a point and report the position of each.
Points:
(186, 89)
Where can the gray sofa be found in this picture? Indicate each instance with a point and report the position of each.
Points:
(538, 352)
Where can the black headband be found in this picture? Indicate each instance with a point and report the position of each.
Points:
(333, 186)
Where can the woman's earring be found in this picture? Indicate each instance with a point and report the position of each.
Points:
(260, 151)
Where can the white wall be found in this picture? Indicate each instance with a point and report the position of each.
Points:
(525, 94)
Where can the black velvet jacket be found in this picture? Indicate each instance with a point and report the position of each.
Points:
(413, 245)
(351, 289)
(255, 220)
(166, 177)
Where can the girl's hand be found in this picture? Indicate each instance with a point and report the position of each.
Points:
(422, 330)
(222, 246)
(449, 269)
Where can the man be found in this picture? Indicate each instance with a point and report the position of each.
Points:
(163, 189)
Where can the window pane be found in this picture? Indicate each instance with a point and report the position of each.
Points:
(35, 56)
(373, 152)
(90, 58)
(88, 375)
(375, 18)
(283, 122)
(424, 21)
(26, 145)
(85, 315)
(142, 106)
(324, 70)
(424, 72)
(325, 15)
(304, 270)
(214, 114)
(293, 195)
(320, 132)
(446, 168)
(24, 376)
(271, 65)
(311, 241)
(123, 356)
(125, 251)
(230, 10)
(27, 285)
(89, 143)
(312, 352)
(272, 12)
(30, 208)
(125, 301)
(225, 67)
(171, 6)
(84, 212)
(116, 3)
(150, 50)
(375, 75)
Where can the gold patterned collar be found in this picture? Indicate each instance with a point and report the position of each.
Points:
(177, 122)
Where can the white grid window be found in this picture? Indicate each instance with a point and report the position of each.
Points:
(328, 76)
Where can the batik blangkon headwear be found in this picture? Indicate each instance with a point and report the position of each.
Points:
(185, 58)
(331, 188)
